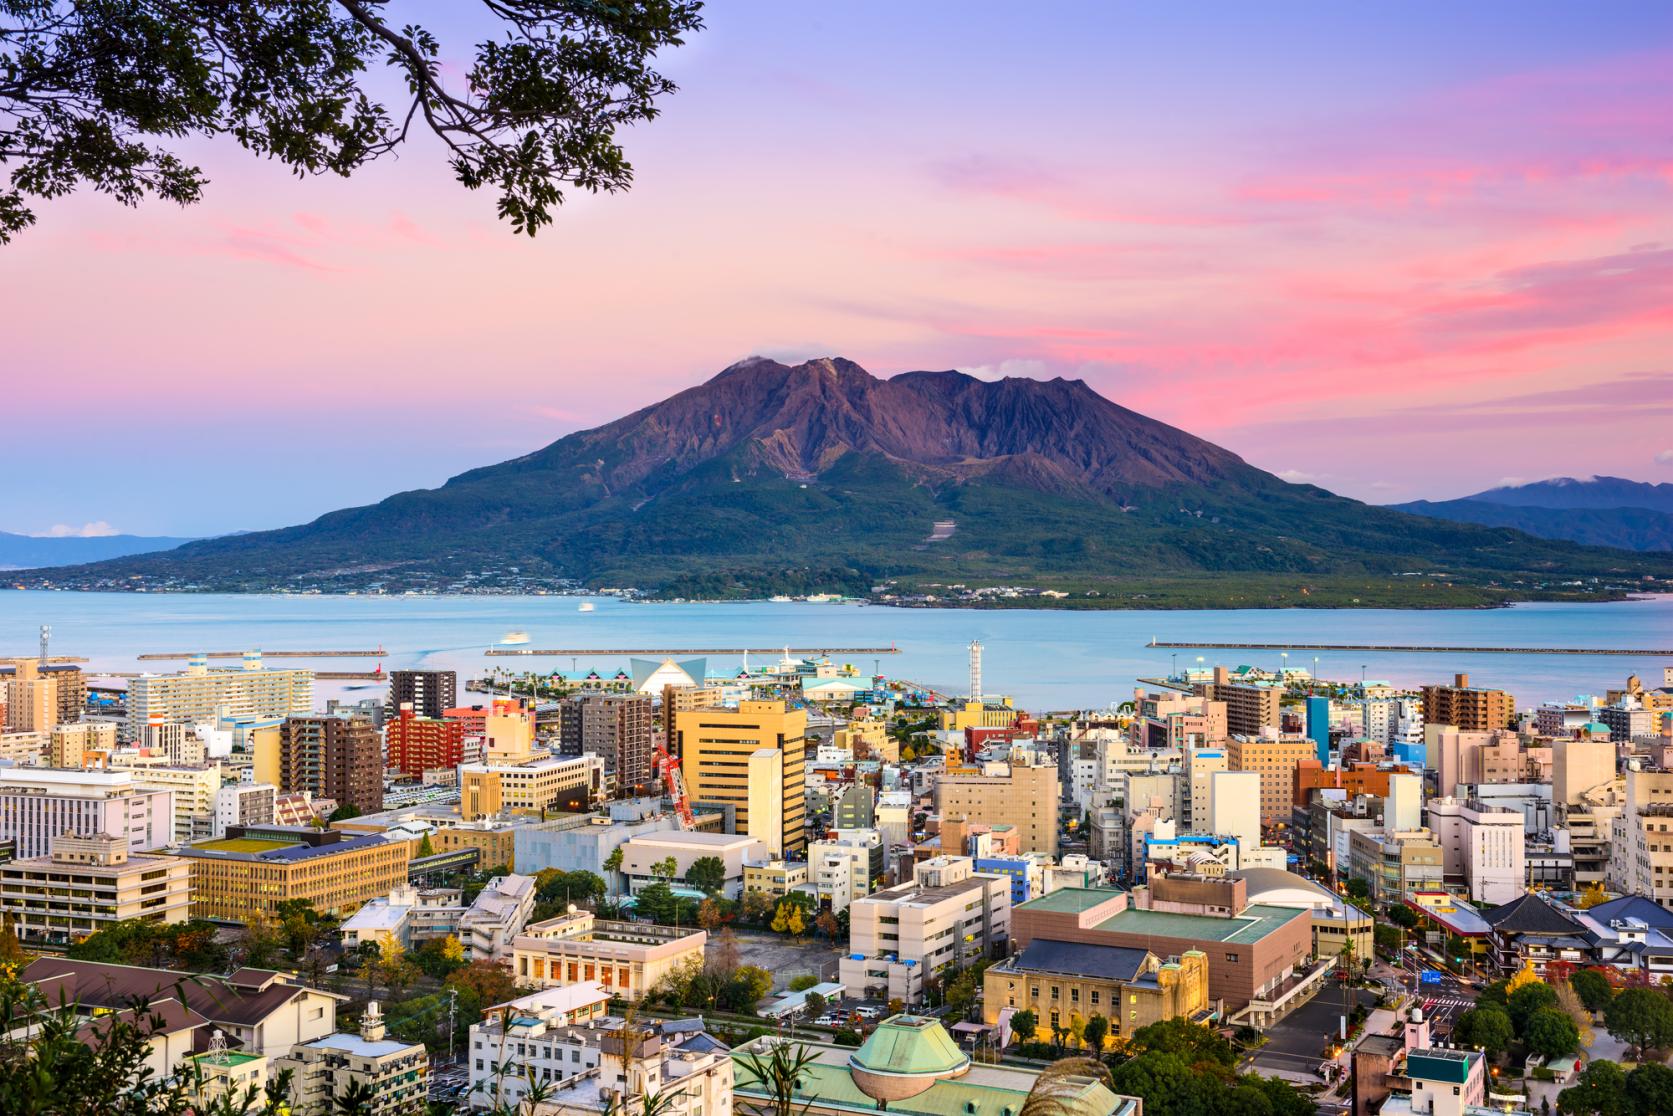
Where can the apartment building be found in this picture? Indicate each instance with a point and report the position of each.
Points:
(567, 784)
(496, 916)
(1251, 704)
(340, 758)
(753, 760)
(395, 1075)
(1275, 758)
(429, 693)
(626, 959)
(244, 804)
(548, 1036)
(843, 865)
(70, 745)
(199, 694)
(253, 869)
(1466, 707)
(86, 884)
(414, 744)
(1641, 852)
(948, 916)
(194, 790)
(1022, 792)
(38, 804)
(30, 697)
(617, 729)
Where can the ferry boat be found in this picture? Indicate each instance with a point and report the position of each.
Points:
(586, 606)
(514, 637)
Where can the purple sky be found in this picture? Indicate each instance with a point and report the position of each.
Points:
(1400, 251)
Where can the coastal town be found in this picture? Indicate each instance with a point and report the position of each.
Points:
(791, 879)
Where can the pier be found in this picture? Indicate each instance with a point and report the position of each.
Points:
(576, 652)
(1414, 649)
(322, 675)
(154, 655)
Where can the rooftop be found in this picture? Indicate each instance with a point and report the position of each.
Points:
(1255, 923)
(1451, 1066)
(1071, 900)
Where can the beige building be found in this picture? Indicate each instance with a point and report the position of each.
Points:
(31, 698)
(1251, 704)
(1466, 707)
(1396, 863)
(978, 714)
(1064, 983)
(194, 790)
(627, 959)
(1022, 792)
(568, 784)
(946, 918)
(1641, 853)
(24, 749)
(396, 1074)
(87, 883)
(751, 759)
(868, 739)
(1275, 760)
(776, 877)
(201, 695)
(253, 869)
(70, 744)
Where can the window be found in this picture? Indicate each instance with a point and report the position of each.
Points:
(1232, 957)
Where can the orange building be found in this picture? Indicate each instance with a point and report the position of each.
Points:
(1359, 778)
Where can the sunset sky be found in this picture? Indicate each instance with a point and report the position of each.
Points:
(1398, 250)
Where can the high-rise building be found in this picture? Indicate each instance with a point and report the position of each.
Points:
(1467, 708)
(430, 692)
(1251, 705)
(1318, 726)
(567, 784)
(70, 744)
(1022, 792)
(332, 757)
(31, 698)
(617, 729)
(200, 695)
(86, 884)
(1276, 761)
(751, 759)
(416, 744)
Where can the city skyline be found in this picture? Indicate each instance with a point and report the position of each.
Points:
(1397, 256)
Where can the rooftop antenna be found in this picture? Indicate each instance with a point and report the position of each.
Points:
(46, 638)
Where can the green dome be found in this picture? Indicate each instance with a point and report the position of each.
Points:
(904, 1056)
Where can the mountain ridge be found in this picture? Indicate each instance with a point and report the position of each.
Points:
(822, 477)
(1594, 511)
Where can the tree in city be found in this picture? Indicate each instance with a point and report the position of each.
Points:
(707, 874)
(396, 968)
(1358, 889)
(828, 925)
(657, 902)
(1526, 1000)
(708, 915)
(1487, 1027)
(815, 1005)
(1593, 988)
(787, 919)
(756, 908)
(1550, 1033)
(723, 955)
(1196, 1043)
(1096, 1033)
(1591, 895)
(1024, 1025)
(1640, 1017)
(101, 95)
(666, 868)
(1403, 916)
(747, 987)
(1600, 1090)
(425, 847)
(613, 862)
(1650, 1088)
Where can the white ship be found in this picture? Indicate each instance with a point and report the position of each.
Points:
(586, 606)
(515, 637)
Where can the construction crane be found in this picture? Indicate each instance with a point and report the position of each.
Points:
(668, 770)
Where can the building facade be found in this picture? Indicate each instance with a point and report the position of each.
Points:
(753, 760)
(251, 870)
(430, 693)
(88, 883)
(340, 758)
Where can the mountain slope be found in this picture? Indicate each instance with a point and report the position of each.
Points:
(770, 478)
(1626, 528)
(1596, 511)
(19, 552)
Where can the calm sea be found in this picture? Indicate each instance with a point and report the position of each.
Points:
(1045, 659)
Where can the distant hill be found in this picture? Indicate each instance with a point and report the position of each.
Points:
(19, 552)
(821, 477)
(1596, 511)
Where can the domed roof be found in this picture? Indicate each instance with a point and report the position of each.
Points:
(905, 1056)
(1279, 888)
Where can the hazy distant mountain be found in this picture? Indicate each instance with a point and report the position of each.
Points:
(770, 478)
(1597, 511)
(18, 552)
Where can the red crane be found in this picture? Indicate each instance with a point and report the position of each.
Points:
(669, 770)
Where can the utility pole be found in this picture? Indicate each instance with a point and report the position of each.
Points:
(452, 1003)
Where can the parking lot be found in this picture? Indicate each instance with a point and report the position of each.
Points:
(785, 959)
(1295, 1044)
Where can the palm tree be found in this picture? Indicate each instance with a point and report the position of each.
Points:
(1057, 1091)
(779, 1071)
